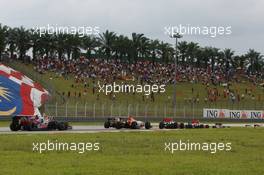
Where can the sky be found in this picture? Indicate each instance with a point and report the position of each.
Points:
(149, 17)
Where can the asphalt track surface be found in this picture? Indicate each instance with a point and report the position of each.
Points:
(77, 129)
(101, 129)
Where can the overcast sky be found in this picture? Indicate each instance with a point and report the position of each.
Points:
(148, 17)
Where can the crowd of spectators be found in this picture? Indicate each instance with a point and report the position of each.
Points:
(146, 72)
(142, 71)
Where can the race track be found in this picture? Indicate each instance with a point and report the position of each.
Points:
(99, 129)
(75, 129)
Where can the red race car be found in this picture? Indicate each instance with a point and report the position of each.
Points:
(35, 123)
(196, 124)
(129, 123)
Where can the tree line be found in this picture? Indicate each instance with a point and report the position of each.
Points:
(110, 45)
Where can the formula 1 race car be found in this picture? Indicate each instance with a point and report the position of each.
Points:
(196, 124)
(130, 123)
(169, 123)
(34, 123)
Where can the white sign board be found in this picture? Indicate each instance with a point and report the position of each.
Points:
(233, 114)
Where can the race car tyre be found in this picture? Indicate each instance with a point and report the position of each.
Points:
(206, 126)
(161, 125)
(118, 125)
(66, 125)
(189, 126)
(52, 125)
(28, 127)
(134, 125)
(62, 126)
(126, 125)
(182, 126)
(175, 125)
(15, 126)
(106, 125)
(201, 126)
(147, 125)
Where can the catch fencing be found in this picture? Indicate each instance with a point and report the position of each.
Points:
(95, 111)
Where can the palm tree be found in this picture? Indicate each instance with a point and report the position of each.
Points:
(72, 46)
(191, 52)
(240, 61)
(76, 45)
(60, 44)
(201, 57)
(206, 58)
(48, 45)
(107, 40)
(255, 61)
(11, 41)
(22, 41)
(211, 54)
(182, 47)
(35, 41)
(166, 51)
(228, 55)
(122, 47)
(89, 43)
(137, 44)
(143, 47)
(153, 49)
(3, 39)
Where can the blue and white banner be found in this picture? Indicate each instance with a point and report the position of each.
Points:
(233, 114)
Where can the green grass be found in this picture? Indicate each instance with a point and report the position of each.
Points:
(4, 123)
(137, 153)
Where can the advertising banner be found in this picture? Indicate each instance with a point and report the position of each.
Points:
(233, 114)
